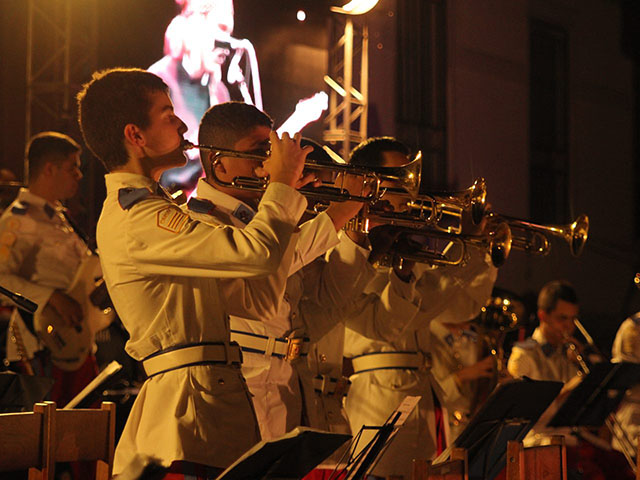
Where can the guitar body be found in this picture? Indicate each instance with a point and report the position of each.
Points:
(70, 345)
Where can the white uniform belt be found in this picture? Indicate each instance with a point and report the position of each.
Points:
(327, 385)
(388, 361)
(288, 348)
(187, 355)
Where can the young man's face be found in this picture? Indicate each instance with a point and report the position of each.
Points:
(558, 324)
(66, 176)
(164, 135)
(256, 143)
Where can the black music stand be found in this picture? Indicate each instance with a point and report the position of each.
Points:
(289, 457)
(508, 414)
(19, 392)
(597, 396)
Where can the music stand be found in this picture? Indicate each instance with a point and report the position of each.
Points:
(19, 392)
(597, 396)
(508, 414)
(289, 457)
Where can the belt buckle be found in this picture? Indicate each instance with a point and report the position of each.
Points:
(294, 348)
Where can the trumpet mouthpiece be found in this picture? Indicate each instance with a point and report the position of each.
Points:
(187, 145)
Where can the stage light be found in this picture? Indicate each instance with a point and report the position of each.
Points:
(301, 15)
(355, 7)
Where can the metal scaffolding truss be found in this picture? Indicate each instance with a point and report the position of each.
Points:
(346, 119)
(61, 53)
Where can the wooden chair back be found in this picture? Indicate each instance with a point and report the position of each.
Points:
(85, 435)
(25, 442)
(456, 468)
(544, 461)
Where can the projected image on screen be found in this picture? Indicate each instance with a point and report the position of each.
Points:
(204, 65)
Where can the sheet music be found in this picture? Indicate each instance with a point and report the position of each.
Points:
(109, 370)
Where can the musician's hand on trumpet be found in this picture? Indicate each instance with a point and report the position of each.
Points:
(286, 162)
(341, 212)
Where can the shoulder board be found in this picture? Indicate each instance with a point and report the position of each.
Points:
(20, 208)
(200, 205)
(128, 197)
(527, 344)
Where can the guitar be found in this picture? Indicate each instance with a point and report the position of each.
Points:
(307, 110)
(70, 345)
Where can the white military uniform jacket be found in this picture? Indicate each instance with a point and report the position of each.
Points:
(163, 271)
(537, 359)
(277, 384)
(626, 348)
(451, 352)
(452, 294)
(39, 253)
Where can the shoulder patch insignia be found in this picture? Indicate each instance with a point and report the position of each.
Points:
(243, 213)
(172, 219)
(128, 197)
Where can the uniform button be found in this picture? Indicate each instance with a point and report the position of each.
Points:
(221, 381)
(323, 358)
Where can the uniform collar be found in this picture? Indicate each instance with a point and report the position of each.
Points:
(117, 180)
(238, 211)
(546, 347)
(29, 199)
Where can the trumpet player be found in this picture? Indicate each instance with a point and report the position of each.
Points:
(552, 354)
(163, 270)
(393, 363)
(543, 356)
(274, 337)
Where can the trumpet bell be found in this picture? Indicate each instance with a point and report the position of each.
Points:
(500, 244)
(578, 231)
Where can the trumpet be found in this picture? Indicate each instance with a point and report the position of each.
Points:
(406, 178)
(497, 242)
(473, 199)
(533, 238)
(440, 211)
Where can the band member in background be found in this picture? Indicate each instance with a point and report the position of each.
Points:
(275, 343)
(40, 253)
(626, 348)
(469, 359)
(410, 297)
(546, 356)
(163, 271)
(543, 356)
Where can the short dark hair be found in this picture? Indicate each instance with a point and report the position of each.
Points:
(554, 291)
(223, 125)
(111, 100)
(369, 152)
(48, 147)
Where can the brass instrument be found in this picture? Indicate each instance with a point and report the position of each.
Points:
(473, 199)
(497, 242)
(439, 211)
(500, 314)
(405, 178)
(533, 238)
